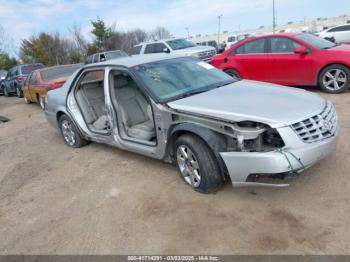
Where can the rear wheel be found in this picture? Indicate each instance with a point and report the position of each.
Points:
(19, 92)
(26, 100)
(233, 73)
(70, 134)
(42, 103)
(334, 79)
(197, 164)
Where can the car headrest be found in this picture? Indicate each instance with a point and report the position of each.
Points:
(120, 81)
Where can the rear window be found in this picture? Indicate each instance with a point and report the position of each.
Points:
(27, 69)
(59, 73)
(115, 54)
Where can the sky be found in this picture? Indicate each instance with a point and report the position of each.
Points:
(23, 18)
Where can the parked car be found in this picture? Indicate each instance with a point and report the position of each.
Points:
(213, 127)
(175, 46)
(340, 33)
(294, 59)
(236, 38)
(219, 47)
(3, 74)
(104, 56)
(15, 78)
(40, 81)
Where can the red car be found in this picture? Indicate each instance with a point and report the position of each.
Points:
(294, 59)
(43, 80)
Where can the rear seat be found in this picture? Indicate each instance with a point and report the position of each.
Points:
(91, 99)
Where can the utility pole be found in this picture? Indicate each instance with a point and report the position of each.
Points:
(188, 32)
(219, 18)
(273, 16)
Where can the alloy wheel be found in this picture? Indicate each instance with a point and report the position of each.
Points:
(334, 79)
(188, 166)
(68, 132)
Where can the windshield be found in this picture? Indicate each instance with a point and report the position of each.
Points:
(177, 44)
(115, 54)
(315, 41)
(27, 69)
(177, 78)
(58, 73)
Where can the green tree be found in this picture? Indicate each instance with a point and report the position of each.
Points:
(49, 49)
(101, 32)
(6, 62)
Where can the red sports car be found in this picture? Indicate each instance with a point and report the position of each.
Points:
(294, 59)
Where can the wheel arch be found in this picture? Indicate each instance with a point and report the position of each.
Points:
(324, 67)
(215, 141)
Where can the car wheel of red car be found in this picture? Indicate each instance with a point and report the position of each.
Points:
(233, 73)
(334, 79)
(41, 103)
(26, 100)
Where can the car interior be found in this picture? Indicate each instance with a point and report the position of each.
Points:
(136, 116)
(91, 99)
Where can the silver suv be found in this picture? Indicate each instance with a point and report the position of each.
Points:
(213, 127)
(175, 46)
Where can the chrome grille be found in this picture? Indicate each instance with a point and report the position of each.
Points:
(318, 127)
(207, 55)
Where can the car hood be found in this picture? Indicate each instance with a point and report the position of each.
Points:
(195, 49)
(253, 101)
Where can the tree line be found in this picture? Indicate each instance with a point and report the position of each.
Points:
(54, 49)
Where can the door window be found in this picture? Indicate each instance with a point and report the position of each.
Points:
(283, 45)
(155, 48)
(340, 28)
(33, 80)
(253, 47)
(95, 59)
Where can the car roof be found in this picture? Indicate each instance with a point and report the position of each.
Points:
(159, 41)
(130, 61)
(58, 66)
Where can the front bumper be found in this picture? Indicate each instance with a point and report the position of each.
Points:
(242, 164)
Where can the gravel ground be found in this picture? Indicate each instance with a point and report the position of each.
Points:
(101, 200)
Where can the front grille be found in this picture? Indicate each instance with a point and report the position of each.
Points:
(318, 127)
(207, 54)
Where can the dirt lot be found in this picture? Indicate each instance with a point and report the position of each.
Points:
(101, 200)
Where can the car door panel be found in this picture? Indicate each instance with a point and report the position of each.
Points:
(287, 67)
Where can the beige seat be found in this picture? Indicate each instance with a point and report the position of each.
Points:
(136, 113)
(91, 99)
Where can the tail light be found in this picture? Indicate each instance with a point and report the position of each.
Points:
(55, 85)
(20, 79)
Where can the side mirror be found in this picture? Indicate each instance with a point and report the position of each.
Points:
(301, 50)
(166, 50)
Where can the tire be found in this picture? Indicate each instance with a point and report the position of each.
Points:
(41, 102)
(233, 73)
(26, 100)
(200, 162)
(334, 79)
(19, 92)
(5, 92)
(70, 133)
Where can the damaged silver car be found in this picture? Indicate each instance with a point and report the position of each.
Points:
(182, 110)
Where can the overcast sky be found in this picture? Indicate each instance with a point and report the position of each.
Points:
(22, 18)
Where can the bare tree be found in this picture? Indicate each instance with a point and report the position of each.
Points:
(159, 33)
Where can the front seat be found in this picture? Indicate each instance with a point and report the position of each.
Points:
(136, 112)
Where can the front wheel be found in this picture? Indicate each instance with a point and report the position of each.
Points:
(197, 164)
(70, 134)
(26, 100)
(6, 92)
(335, 79)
